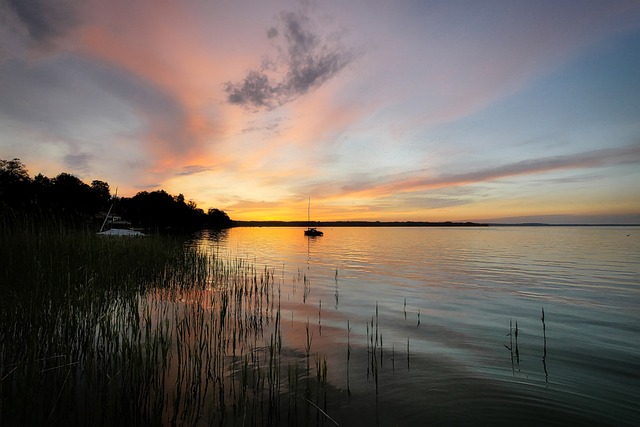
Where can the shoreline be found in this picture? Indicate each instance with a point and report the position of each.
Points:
(356, 224)
(412, 224)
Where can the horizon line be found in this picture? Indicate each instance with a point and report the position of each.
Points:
(381, 223)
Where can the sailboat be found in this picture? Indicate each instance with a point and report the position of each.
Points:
(311, 231)
(119, 227)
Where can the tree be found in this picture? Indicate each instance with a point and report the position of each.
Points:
(101, 189)
(155, 209)
(71, 194)
(15, 184)
(68, 198)
(101, 194)
(13, 171)
(42, 188)
(218, 219)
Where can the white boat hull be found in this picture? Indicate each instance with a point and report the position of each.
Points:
(121, 233)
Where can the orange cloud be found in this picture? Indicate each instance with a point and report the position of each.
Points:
(160, 44)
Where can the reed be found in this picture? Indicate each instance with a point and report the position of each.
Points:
(393, 358)
(513, 346)
(374, 343)
(348, 356)
(61, 292)
(544, 348)
(320, 317)
(307, 344)
(139, 331)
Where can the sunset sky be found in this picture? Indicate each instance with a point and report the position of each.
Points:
(376, 110)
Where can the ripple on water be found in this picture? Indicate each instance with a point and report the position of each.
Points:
(463, 288)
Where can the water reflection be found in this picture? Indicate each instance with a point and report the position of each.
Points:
(210, 237)
(435, 295)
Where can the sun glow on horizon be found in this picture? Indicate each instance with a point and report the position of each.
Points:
(392, 113)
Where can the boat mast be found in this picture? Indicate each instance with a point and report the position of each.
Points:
(106, 218)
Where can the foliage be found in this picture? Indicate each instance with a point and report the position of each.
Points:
(216, 216)
(14, 183)
(70, 200)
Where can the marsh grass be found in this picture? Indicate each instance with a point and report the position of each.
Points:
(149, 331)
(544, 348)
(70, 323)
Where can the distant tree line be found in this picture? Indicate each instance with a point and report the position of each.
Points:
(67, 198)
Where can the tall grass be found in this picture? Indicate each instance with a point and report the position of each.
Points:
(97, 331)
(70, 326)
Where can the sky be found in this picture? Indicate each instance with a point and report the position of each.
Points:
(403, 110)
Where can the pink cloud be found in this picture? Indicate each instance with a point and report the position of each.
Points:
(375, 187)
(164, 45)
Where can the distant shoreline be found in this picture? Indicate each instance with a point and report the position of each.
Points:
(543, 224)
(356, 224)
(411, 224)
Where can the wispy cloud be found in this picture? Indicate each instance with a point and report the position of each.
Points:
(78, 162)
(308, 60)
(192, 170)
(60, 96)
(369, 185)
(586, 160)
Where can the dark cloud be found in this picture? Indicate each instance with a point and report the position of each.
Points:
(308, 61)
(78, 162)
(255, 91)
(45, 19)
(58, 97)
(272, 32)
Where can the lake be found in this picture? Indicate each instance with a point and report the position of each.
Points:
(450, 326)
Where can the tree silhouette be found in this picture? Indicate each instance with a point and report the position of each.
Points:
(12, 171)
(160, 210)
(101, 194)
(66, 197)
(71, 195)
(218, 219)
(15, 191)
(43, 193)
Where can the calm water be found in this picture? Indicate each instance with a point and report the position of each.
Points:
(458, 315)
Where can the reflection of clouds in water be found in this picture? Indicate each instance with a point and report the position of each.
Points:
(461, 286)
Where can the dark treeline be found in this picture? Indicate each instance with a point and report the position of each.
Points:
(68, 199)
